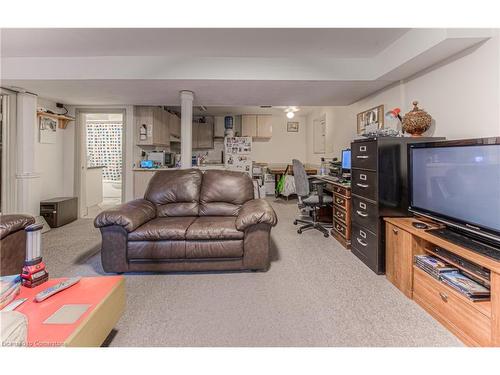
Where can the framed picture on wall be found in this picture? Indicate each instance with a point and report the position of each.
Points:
(292, 126)
(47, 127)
(371, 119)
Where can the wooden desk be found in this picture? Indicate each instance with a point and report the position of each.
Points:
(475, 323)
(341, 214)
(106, 297)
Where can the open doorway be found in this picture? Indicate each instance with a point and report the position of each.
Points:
(101, 180)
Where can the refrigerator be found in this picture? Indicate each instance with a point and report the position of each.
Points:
(237, 154)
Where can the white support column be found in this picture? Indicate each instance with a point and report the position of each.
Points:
(27, 178)
(186, 129)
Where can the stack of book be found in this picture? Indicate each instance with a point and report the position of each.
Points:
(10, 286)
(465, 285)
(433, 266)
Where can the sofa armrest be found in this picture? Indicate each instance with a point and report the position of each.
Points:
(12, 223)
(129, 215)
(255, 211)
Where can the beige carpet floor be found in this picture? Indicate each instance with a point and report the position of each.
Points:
(315, 294)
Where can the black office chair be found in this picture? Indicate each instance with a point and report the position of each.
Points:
(310, 200)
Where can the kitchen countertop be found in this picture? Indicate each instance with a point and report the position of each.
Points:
(203, 167)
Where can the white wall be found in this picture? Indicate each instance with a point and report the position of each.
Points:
(461, 94)
(339, 132)
(50, 158)
(283, 146)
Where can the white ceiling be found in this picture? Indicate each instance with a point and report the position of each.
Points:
(223, 67)
(207, 92)
(238, 110)
(332, 43)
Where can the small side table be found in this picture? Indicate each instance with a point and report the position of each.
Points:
(106, 297)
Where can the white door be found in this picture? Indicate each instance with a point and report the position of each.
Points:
(319, 136)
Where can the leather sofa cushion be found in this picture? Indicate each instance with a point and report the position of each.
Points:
(176, 250)
(214, 228)
(214, 249)
(156, 250)
(12, 223)
(175, 192)
(162, 228)
(223, 192)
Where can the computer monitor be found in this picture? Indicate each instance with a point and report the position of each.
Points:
(346, 160)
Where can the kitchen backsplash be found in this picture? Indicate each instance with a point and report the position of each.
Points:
(215, 154)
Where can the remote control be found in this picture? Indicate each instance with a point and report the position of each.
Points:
(14, 304)
(44, 294)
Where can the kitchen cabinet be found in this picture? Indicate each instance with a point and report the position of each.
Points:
(264, 126)
(141, 181)
(257, 126)
(219, 128)
(155, 120)
(203, 134)
(175, 125)
(249, 125)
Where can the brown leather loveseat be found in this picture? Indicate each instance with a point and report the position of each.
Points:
(13, 242)
(189, 221)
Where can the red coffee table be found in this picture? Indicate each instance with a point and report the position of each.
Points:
(106, 297)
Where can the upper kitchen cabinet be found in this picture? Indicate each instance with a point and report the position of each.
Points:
(175, 125)
(264, 126)
(257, 126)
(219, 128)
(153, 126)
(249, 125)
(203, 133)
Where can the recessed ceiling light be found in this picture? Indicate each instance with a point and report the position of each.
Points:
(290, 111)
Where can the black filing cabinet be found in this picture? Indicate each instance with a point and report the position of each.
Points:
(379, 183)
(59, 211)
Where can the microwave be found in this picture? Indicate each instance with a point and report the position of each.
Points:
(162, 158)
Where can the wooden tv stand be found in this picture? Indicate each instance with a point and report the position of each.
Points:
(474, 323)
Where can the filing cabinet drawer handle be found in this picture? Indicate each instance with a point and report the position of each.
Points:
(362, 156)
(362, 185)
(395, 231)
(339, 201)
(361, 242)
(443, 296)
(339, 214)
(362, 214)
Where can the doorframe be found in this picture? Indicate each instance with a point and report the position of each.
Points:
(9, 129)
(81, 156)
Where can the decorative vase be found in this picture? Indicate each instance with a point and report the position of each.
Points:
(417, 121)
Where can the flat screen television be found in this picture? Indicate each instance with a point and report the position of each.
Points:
(346, 160)
(458, 184)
